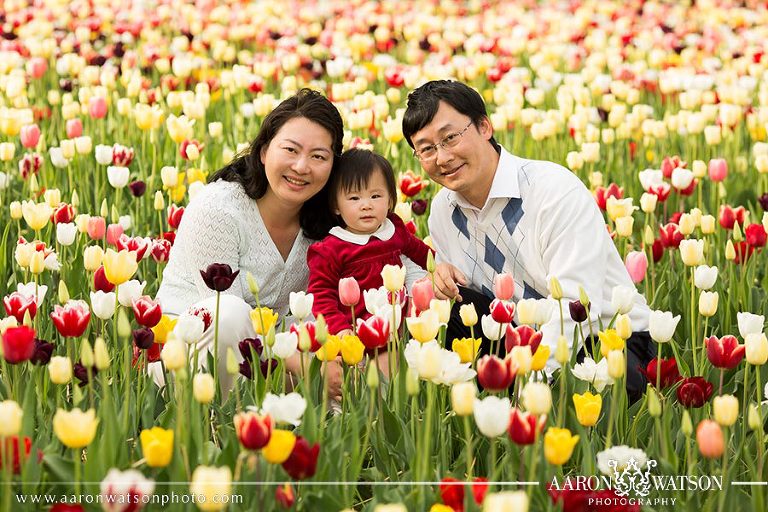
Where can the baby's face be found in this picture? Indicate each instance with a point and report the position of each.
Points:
(364, 210)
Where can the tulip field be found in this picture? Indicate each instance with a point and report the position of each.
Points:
(114, 114)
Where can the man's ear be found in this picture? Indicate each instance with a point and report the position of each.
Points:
(485, 128)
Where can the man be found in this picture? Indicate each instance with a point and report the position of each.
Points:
(500, 213)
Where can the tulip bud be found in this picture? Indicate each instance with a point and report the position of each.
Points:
(174, 354)
(654, 404)
(75, 199)
(624, 326)
(686, 425)
(60, 370)
(321, 329)
(16, 213)
(233, 368)
(725, 410)
(756, 348)
(754, 420)
(253, 286)
(468, 314)
(431, 266)
(203, 388)
(123, 325)
(104, 211)
(730, 251)
(63, 292)
(616, 366)
(100, 354)
(305, 342)
(737, 234)
(583, 298)
(463, 398)
(707, 224)
(372, 376)
(37, 263)
(86, 353)
(115, 215)
(33, 185)
(648, 236)
(562, 353)
(555, 289)
(159, 201)
(412, 382)
(270, 338)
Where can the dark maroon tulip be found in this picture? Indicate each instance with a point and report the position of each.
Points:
(419, 206)
(302, 461)
(219, 276)
(578, 311)
(264, 365)
(81, 372)
(763, 200)
(246, 370)
(694, 392)
(249, 344)
(43, 352)
(144, 338)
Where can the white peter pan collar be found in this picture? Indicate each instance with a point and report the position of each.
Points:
(385, 232)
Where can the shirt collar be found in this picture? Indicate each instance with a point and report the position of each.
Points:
(505, 183)
(385, 232)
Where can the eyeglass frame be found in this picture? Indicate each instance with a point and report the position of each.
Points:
(442, 144)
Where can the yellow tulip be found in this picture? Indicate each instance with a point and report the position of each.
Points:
(442, 308)
(36, 215)
(588, 407)
(468, 314)
(610, 340)
(210, 485)
(119, 267)
(329, 350)
(279, 447)
(263, 319)
(540, 358)
(157, 446)
(75, 428)
(393, 277)
(467, 348)
(164, 328)
(558, 445)
(37, 262)
(352, 349)
(425, 327)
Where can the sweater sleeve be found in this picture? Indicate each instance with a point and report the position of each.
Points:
(324, 276)
(415, 249)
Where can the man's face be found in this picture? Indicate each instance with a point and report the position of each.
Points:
(458, 167)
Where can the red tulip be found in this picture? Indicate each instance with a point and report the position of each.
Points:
(502, 311)
(423, 293)
(121, 155)
(349, 291)
(694, 391)
(30, 135)
(302, 461)
(523, 427)
(494, 373)
(743, 251)
(71, 320)
(13, 446)
(66, 507)
(18, 344)
(661, 191)
(161, 250)
(718, 169)
(670, 236)
(64, 213)
(602, 194)
(729, 216)
(36, 67)
(503, 286)
(411, 184)
(521, 336)
(670, 374)
(310, 327)
(689, 189)
(30, 164)
(669, 164)
(452, 492)
(394, 76)
(583, 500)
(174, 216)
(373, 332)
(219, 276)
(184, 145)
(137, 244)
(147, 311)
(285, 496)
(253, 430)
(100, 281)
(17, 304)
(755, 235)
(724, 352)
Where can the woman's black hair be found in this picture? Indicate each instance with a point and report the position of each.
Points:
(248, 170)
(354, 171)
(424, 101)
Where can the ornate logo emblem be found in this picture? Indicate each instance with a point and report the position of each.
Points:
(631, 478)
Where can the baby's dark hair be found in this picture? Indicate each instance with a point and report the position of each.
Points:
(354, 169)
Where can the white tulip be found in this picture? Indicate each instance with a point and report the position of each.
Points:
(704, 277)
(103, 304)
(286, 344)
(301, 304)
(284, 408)
(492, 415)
(661, 325)
(65, 233)
(750, 323)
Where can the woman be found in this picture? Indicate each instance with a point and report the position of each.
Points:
(259, 214)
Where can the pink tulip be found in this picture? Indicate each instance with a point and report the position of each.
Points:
(349, 291)
(36, 67)
(114, 231)
(709, 437)
(97, 227)
(97, 107)
(718, 169)
(423, 294)
(74, 128)
(30, 135)
(503, 286)
(637, 264)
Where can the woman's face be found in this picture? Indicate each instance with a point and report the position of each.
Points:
(298, 161)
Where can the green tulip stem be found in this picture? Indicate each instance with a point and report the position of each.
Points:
(215, 347)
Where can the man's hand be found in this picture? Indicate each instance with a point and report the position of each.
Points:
(447, 279)
(333, 372)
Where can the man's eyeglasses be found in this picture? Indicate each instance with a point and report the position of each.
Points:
(428, 153)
